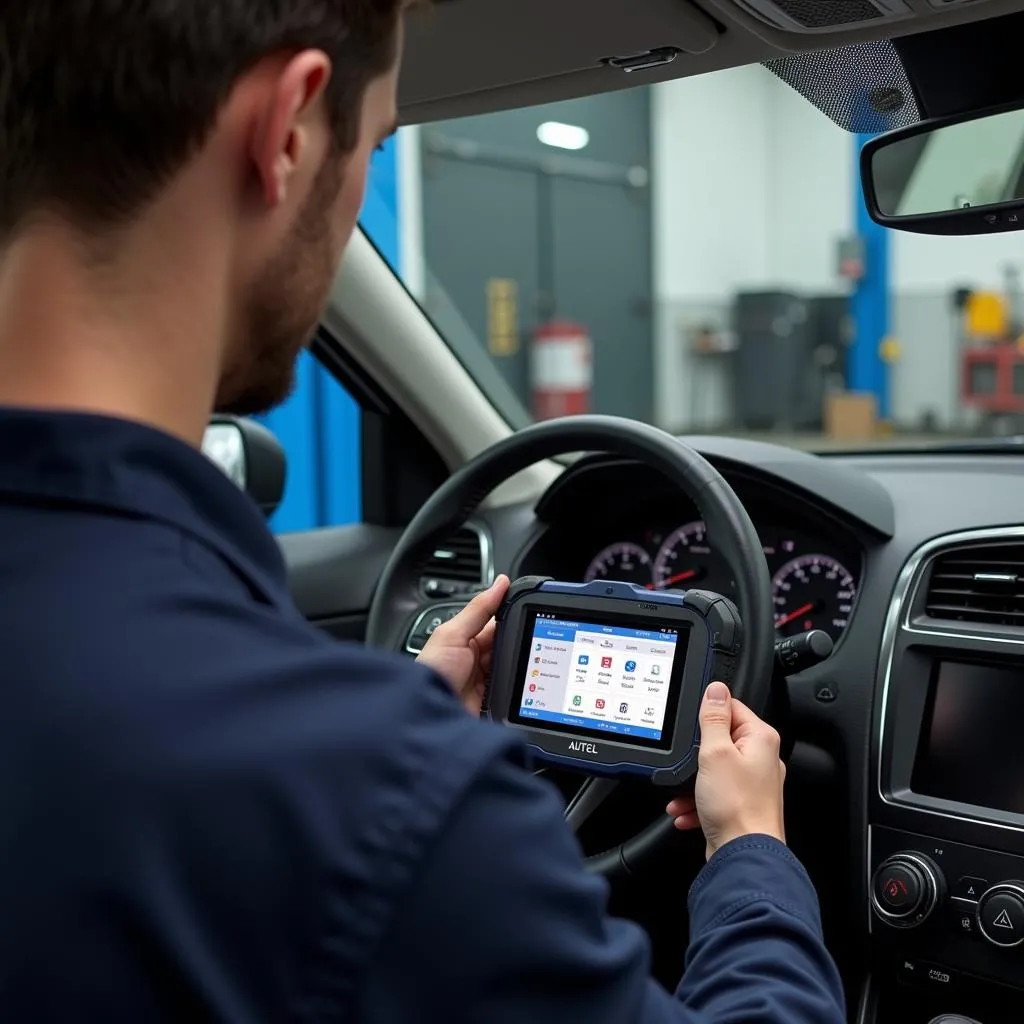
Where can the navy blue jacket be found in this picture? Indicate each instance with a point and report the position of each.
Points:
(210, 811)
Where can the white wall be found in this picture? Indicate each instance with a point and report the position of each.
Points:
(812, 192)
(922, 263)
(711, 184)
(753, 188)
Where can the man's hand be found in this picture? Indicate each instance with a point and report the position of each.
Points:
(461, 650)
(740, 779)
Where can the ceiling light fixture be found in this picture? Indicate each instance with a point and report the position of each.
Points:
(563, 136)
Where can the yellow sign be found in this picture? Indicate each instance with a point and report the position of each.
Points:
(502, 316)
(890, 350)
(987, 316)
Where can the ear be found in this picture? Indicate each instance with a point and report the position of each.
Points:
(282, 138)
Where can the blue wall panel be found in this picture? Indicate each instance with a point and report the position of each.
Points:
(379, 218)
(319, 425)
(294, 425)
(867, 370)
(341, 499)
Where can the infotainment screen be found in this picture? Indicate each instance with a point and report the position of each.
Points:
(970, 749)
(598, 678)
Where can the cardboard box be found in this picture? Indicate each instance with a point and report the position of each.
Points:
(851, 416)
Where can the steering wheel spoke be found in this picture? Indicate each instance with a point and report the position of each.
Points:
(588, 798)
(427, 620)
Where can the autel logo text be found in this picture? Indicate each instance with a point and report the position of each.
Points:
(579, 746)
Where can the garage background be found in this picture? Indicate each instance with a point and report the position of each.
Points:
(696, 217)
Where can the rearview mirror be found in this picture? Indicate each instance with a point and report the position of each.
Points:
(952, 176)
(250, 456)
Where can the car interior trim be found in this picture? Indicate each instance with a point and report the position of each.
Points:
(385, 332)
(486, 579)
(486, 550)
(898, 620)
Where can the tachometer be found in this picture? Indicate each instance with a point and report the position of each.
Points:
(813, 592)
(686, 560)
(623, 562)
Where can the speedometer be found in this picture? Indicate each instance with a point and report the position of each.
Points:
(623, 562)
(813, 592)
(686, 560)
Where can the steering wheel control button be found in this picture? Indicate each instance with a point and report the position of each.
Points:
(1001, 915)
(427, 623)
(438, 588)
(906, 889)
(969, 888)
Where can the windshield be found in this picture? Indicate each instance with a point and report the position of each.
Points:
(697, 255)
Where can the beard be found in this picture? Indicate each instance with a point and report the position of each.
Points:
(284, 306)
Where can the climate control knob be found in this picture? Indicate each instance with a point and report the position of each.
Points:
(1001, 914)
(906, 889)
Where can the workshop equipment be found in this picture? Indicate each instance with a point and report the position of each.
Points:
(991, 359)
(561, 370)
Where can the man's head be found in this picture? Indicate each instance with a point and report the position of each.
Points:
(117, 116)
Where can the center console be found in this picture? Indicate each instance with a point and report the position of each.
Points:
(946, 811)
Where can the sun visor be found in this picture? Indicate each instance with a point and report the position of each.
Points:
(464, 47)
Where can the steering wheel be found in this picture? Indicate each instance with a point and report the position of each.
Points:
(397, 600)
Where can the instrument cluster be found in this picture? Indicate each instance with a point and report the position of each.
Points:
(814, 584)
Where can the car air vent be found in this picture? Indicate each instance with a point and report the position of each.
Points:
(456, 565)
(824, 15)
(983, 584)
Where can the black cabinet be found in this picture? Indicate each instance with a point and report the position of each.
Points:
(790, 351)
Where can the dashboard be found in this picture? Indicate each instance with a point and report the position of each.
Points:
(812, 588)
(902, 798)
(660, 542)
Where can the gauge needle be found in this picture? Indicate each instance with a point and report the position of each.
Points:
(679, 577)
(802, 610)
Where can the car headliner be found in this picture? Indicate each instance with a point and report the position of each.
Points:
(476, 56)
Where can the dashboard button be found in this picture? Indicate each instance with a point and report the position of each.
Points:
(1001, 915)
(963, 921)
(970, 888)
(898, 889)
(906, 888)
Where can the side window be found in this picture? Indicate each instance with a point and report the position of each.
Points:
(320, 424)
(319, 427)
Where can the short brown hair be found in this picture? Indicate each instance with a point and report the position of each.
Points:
(103, 101)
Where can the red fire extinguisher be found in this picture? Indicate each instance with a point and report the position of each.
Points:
(561, 370)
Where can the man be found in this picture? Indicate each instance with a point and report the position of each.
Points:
(208, 810)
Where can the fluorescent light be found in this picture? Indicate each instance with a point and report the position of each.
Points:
(563, 136)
